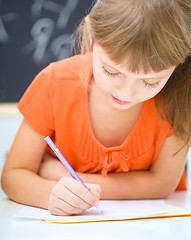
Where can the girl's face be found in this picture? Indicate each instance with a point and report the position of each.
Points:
(125, 89)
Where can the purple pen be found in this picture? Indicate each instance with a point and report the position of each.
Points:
(65, 163)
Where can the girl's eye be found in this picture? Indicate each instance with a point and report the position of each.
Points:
(106, 72)
(152, 85)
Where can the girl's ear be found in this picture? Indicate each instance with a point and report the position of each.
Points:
(87, 22)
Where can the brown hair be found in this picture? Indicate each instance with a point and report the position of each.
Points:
(156, 35)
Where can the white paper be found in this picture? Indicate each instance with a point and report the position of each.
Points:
(112, 210)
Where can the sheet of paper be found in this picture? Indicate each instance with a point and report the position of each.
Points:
(112, 210)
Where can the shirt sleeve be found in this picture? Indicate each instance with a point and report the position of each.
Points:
(36, 104)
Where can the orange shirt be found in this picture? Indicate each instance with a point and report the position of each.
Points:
(56, 104)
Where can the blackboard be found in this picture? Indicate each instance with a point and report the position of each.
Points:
(34, 33)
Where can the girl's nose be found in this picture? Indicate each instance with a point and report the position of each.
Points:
(126, 90)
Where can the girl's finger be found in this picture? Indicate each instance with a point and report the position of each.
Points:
(58, 212)
(64, 208)
(95, 189)
(83, 194)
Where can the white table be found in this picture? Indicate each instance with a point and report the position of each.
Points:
(170, 228)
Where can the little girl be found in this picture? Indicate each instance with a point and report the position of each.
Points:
(120, 112)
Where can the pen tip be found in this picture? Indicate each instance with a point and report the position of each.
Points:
(98, 207)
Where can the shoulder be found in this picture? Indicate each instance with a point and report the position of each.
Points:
(64, 74)
(57, 78)
(68, 68)
(71, 68)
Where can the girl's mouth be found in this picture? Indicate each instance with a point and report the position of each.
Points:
(118, 101)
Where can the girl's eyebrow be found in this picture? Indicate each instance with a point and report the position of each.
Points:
(145, 78)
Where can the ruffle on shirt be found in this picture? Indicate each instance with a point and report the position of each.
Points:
(113, 158)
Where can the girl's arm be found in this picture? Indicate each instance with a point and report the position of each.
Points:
(19, 179)
(21, 182)
(158, 182)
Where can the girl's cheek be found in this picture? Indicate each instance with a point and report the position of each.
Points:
(146, 95)
(101, 81)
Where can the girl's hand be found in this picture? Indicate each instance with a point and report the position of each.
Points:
(70, 197)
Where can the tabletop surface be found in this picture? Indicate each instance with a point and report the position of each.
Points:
(167, 228)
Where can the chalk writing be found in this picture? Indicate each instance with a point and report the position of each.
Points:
(41, 33)
(7, 17)
(34, 33)
(44, 44)
(61, 45)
